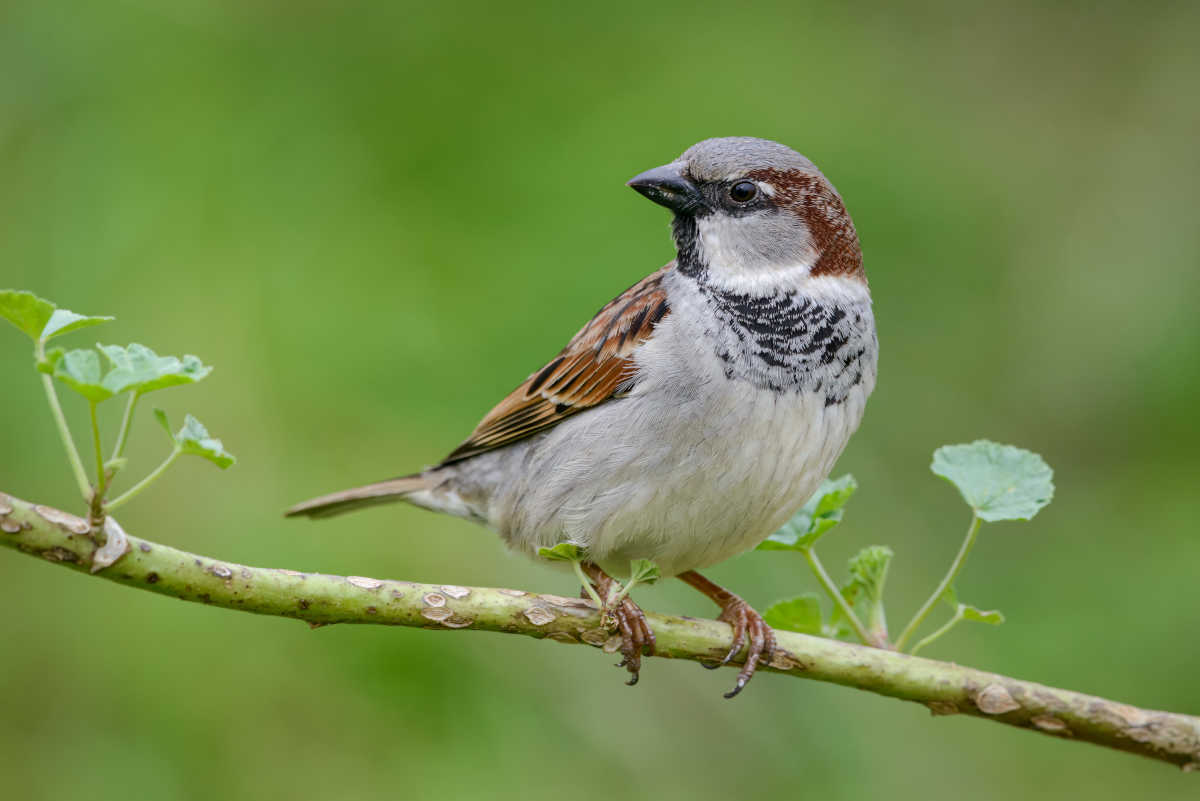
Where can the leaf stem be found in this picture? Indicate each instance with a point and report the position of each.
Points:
(64, 432)
(947, 580)
(836, 595)
(951, 623)
(587, 583)
(623, 589)
(128, 495)
(877, 622)
(123, 433)
(101, 483)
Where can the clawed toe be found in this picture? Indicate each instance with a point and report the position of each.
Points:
(636, 637)
(626, 619)
(747, 625)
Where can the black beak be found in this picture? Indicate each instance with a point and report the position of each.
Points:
(668, 187)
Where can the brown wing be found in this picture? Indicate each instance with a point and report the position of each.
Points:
(594, 367)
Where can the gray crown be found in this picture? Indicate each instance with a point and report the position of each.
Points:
(731, 157)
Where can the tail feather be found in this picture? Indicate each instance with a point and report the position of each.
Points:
(390, 491)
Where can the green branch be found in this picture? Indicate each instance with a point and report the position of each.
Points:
(318, 599)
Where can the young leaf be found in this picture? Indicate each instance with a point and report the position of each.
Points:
(64, 322)
(868, 569)
(563, 552)
(81, 371)
(802, 614)
(194, 438)
(991, 616)
(26, 311)
(822, 512)
(140, 369)
(834, 494)
(161, 417)
(40, 319)
(643, 571)
(1000, 482)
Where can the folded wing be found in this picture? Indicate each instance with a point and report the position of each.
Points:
(596, 366)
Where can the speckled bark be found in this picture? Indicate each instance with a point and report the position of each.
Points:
(320, 600)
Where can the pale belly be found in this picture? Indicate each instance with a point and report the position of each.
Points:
(686, 485)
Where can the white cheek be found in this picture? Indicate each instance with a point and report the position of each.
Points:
(838, 290)
(737, 265)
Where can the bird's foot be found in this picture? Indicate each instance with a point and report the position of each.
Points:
(636, 636)
(748, 627)
(624, 618)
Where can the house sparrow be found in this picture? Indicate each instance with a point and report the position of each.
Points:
(698, 410)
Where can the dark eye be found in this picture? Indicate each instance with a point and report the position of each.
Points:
(743, 191)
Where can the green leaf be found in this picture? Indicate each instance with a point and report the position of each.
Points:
(161, 417)
(194, 438)
(40, 319)
(141, 370)
(26, 311)
(81, 371)
(563, 552)
(802, 614)
(834, 494)
(135, 368)
(643, 571)
(64, 322)
(1000, 482)
(991, 616)
(868, 569)
(822, 512)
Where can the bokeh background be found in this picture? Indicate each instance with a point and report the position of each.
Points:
(376, 218)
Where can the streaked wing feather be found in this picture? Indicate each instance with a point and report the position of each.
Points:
(594, 367)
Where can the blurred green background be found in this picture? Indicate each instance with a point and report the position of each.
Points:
(376, 218)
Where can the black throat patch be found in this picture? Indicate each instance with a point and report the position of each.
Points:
(786, 341)
(686, 234)
(791, 342)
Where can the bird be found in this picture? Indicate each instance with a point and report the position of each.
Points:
(697, 411)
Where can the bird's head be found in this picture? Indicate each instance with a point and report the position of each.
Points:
(754, 215)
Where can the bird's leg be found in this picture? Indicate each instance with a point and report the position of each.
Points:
(746, 623)
(625, 618)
